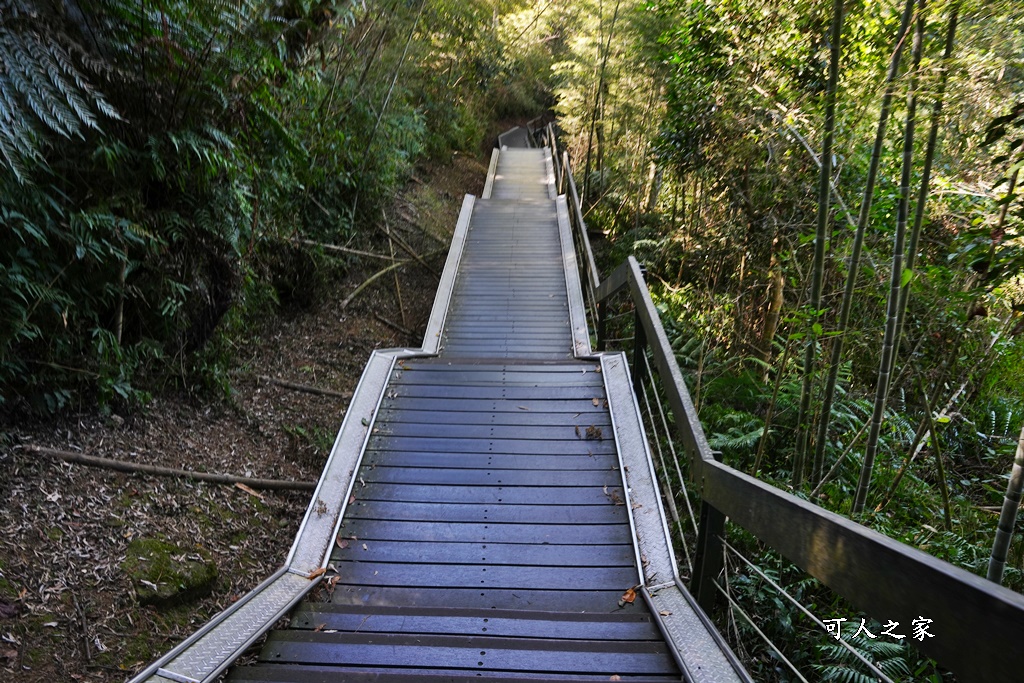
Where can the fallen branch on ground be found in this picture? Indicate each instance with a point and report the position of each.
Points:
(370, 280)
(406, 248)
(393, 325)
(305, 388)
(156, 470)
(345, 250)
(412, 222)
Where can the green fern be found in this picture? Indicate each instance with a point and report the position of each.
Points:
(892, 658)
(741, 434)
(43, 87)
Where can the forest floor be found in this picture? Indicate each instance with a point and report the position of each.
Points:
(68, 609)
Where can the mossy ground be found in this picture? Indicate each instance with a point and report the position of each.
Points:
(162, 574)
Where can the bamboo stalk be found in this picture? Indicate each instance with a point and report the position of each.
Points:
(771, 410)
(929, 156)
(885, 364)
(804, 421)
(1008, 515)
(937, 447)
(863, 220)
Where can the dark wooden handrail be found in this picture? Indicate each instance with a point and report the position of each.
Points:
(975, 623)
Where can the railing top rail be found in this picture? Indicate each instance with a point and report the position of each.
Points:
(593, 273)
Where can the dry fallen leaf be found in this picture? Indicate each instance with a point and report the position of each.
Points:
(613, 496)
(578, 435)
(342, 543)
(522, 407)
(9, 654)
(352, 499)
(665, 613)
(596, 402)
(319, 627)
(615, 677)
(629, 596)
(317, 573)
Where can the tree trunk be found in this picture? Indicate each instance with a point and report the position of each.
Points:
(803, 431)
(657, 173)
(863, 219)
(776, 289)
(895, 280)
(1008, 516)
(940, 468)
(599, 103)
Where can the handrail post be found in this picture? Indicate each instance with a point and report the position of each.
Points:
(553, 145)
(707, 563)
(639, 340)
(639, 349)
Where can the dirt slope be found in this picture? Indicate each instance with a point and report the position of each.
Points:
(68, 611)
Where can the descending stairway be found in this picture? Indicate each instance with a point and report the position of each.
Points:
(490, 537)
(481, 524)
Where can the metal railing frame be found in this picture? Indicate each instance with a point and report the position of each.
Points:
(976, 623)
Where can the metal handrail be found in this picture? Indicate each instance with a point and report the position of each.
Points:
(974, 622)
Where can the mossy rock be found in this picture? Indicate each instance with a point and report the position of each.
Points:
(164, 574)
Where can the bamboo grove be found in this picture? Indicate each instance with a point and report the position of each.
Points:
(839, 211)
(825, 196)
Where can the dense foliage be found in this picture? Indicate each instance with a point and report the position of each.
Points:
(159, 161)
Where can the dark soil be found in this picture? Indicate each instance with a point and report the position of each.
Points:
(67, 608)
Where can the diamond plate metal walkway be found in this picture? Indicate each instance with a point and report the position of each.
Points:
(483, 529)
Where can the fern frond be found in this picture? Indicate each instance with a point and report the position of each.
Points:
(71, 96)
(42, 90)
